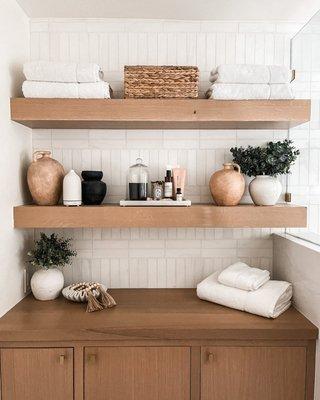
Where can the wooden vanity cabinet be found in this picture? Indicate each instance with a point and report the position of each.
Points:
(163, 344)
(37, 374)
(143, 373)
(257, 373)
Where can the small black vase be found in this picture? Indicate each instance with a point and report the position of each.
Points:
(93, 189)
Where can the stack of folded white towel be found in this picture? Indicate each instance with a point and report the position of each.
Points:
(64, 80)
(251, 82)
(247, 289)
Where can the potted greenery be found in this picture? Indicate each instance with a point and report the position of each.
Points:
(265, 164)
(50, 252)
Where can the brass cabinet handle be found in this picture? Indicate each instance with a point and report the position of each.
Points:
(92, 358)
(210, 356)
(62, 357)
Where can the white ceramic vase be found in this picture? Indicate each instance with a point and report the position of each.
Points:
(265, 190)
(72, 195)
(46, 284)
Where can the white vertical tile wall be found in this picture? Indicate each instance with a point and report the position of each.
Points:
(157, 257)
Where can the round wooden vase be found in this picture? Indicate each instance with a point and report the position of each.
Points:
(45, 177)
(227, 185)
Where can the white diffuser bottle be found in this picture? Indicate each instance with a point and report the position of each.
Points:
(72, 189)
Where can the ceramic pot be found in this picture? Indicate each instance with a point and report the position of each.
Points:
(46, 284)
(45, 177)
(93, 189)
(227, 185)
(72, 189)
(265, 190)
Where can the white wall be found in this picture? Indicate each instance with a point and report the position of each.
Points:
(298, 262)
(158, 257)
(16, 150)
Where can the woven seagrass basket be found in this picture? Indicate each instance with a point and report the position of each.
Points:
(147, 82)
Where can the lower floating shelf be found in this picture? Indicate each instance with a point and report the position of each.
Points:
(196, 216)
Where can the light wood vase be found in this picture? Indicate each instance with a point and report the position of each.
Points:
(45, 177)
(227, 185)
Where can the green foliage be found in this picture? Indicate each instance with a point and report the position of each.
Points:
(51, 251)
(274, 159)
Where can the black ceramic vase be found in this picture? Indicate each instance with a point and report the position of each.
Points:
(93, 189)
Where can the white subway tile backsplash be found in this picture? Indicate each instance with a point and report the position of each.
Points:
(181, 26)
(257, 27)
(215, 26)
(174, 257)
(146, 252)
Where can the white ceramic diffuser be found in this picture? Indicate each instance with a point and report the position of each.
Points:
(72, 189)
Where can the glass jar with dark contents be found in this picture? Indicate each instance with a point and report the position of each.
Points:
(138, 179)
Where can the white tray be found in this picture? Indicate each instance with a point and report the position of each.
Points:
(155, 203)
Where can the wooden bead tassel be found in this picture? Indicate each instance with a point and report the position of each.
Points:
(93, 303)
(106, 299)
(102, 301)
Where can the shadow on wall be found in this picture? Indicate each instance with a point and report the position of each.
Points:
(24, 189)
(16, 79)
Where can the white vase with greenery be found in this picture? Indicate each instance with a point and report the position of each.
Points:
(265, 164)
(49, 255)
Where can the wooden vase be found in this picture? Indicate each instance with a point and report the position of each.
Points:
(227, 185)
(45, 177)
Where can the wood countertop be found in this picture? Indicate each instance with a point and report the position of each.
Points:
(147, 314)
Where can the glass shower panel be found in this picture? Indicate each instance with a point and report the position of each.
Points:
(304, 182)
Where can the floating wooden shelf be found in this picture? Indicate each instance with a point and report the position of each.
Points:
(199, 215)
(159, 114)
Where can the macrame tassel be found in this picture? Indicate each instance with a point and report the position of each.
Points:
(93, 303)
(106, 299)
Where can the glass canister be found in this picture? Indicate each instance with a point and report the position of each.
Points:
(138, 179)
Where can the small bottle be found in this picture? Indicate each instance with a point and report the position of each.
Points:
(168, 184)
(179, 195)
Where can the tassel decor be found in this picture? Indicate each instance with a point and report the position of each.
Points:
(94, 293)
(105, 298)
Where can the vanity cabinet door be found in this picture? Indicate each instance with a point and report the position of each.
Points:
(144, 373)
(37, 374)
(255, 373)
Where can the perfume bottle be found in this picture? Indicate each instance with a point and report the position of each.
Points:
(168, 184)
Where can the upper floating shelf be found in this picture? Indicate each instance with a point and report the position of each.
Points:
(196, 216)
(159, 114)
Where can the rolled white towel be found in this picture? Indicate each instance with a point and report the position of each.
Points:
(246, 73)
(270, 300)
(65, 72)
(97, 90)
(241, 276)
(245, 91)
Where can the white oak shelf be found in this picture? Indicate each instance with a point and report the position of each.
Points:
(198, 215)
(159, 113)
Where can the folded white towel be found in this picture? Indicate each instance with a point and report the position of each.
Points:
(270, 300)
(241, 276)
(66, 72)
(242, 73)
(97, 90)
(243, 91)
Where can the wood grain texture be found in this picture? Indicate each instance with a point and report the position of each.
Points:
(198, 215)
(142, 373)
(257, 373)
(310, 371)
(195, 383)
(36, 374)
(147, 315)
(159, 114)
